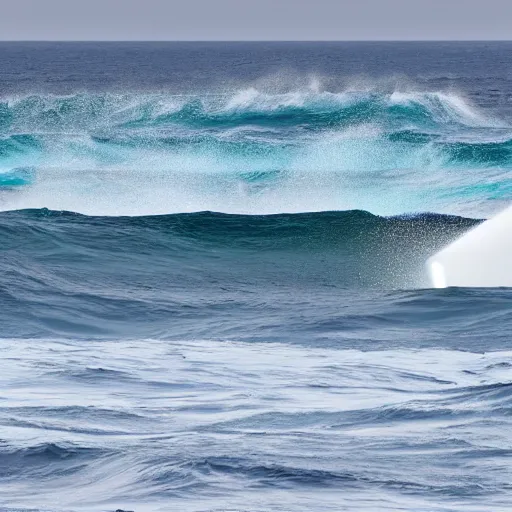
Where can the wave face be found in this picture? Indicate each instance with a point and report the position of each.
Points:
(110, 273)
(253, 151)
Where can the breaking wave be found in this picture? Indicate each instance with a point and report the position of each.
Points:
(252, 152)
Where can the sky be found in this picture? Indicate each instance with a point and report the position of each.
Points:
(255, 20)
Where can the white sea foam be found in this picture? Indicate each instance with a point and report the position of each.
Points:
(183, 422)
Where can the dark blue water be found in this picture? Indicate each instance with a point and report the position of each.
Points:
(213, 292)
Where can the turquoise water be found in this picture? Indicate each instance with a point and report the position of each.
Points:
(252, 151)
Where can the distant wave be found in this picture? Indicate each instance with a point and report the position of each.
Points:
(317, 109)
(252, 152)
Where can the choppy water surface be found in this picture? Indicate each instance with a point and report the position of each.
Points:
(212, 277)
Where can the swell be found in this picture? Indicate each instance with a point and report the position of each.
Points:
(215, 230)
(210, 273)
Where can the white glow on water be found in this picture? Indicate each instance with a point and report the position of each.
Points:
(437, 275)
(480, 258)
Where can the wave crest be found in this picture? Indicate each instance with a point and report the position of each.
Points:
(86, 111)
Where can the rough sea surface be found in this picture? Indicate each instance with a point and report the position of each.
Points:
(213, 293)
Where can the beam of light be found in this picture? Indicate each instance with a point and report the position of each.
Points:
(437, 275)
(482, 257)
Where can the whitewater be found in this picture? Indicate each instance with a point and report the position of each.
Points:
(213, 283)
(253, 152)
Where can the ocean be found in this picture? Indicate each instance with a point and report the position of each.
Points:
(213, 290)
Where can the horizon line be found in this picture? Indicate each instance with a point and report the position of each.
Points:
(255, 40)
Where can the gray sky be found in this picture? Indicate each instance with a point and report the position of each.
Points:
(254, 19)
